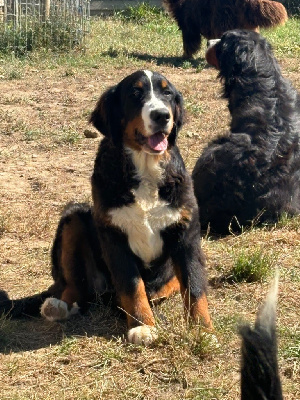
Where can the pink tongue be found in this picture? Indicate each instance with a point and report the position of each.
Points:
(158, 142)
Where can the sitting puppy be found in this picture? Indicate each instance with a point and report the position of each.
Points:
(252, 173)
(211, 18)
(142, 237)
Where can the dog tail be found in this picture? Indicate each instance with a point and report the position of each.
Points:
(20, 308)
(266, 13)
(260, 377)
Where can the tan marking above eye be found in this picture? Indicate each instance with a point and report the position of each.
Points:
(164, 84)
(139, 84)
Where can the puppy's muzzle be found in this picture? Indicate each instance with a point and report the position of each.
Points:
(212, 42)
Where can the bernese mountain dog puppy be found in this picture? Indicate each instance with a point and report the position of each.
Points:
(141, 239)
(252, 174)
(212, 18)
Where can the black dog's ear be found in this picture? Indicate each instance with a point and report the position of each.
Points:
(106, 116)
(178, 118)
(211, 57)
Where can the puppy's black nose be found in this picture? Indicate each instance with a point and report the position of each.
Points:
(160, 116)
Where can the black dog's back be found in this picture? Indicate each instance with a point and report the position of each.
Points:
(259, 373)
(251, 174)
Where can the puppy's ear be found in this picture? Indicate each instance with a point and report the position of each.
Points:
(178, 118)
(106, 117)
(237, 58)
(211, 57)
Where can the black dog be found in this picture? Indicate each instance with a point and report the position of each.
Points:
(211, 18)
(252, 173)
(259, 372)
(142, 237)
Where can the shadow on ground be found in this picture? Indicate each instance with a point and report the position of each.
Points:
(18, 335)
(198, 63)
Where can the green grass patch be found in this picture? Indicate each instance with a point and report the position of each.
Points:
(285, 39)
(290, 343)
(68, 136)
(291, 223)
(144, 13)
(252, 265)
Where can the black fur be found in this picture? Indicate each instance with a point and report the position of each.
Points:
(259, 372)
(252, 173)
(211, 18)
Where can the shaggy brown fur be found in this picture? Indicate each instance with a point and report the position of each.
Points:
(211, 18)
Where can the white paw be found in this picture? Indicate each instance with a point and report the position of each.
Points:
(55, 310)
(143, 334)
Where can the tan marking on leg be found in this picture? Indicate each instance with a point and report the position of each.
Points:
(71, 237)
(170, 288)
(137, 307)
(198, 309)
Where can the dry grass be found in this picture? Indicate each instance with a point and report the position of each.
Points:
(45, 162)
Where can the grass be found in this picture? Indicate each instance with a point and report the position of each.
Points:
(252, 266)
(46, 162)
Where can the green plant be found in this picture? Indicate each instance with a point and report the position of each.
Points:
(141, 14)
(68, 136)
(252, 266)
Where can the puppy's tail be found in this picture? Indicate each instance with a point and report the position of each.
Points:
(265, 13)
(20, 308)
(260, 377)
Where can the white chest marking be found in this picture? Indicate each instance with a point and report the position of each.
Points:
(143, 220)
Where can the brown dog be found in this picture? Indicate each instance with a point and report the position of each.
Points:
(211, 18)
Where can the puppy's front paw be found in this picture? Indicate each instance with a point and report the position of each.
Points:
(143, 334)
(55, 310)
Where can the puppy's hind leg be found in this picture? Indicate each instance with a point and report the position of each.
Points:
(71, 258)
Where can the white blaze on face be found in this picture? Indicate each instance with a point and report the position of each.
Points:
(153, 103)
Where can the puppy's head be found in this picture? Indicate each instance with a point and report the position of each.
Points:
(143, 112)
(241, 54)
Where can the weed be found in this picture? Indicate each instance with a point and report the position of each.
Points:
(141, 14)
(252, 266)
(68, 136)
(290, 342)
(14, 74)
(186, 64)
(194, 108)
(32, 134)
(67, 346)
(291, 223)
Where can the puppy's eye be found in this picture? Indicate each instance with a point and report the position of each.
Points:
(167, 93)
(137, 93)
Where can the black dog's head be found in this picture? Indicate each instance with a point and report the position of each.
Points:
(144, 112)
(242, 55)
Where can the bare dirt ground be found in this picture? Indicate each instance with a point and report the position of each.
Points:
(45, 162)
